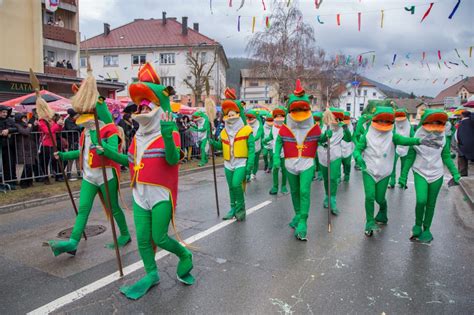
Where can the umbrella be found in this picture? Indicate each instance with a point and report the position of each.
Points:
(21, 99)
(32, 99)
(469, 104)
(258, 106)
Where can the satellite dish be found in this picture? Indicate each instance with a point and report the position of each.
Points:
(348, 86)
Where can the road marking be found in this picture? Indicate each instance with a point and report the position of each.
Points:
(94, 286)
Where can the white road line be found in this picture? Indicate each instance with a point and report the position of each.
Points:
(94, 286)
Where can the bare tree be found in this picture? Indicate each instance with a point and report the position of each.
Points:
(200, 69)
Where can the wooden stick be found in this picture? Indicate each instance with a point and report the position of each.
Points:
(61, 166)
(215, 180)
(329, 183)
(108, 203)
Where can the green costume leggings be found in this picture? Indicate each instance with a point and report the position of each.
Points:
(300, 188)
(375, 192)
(256, 162)
(235, 180)
(393, 177)
(86, 200)
(346, 164)
(153, 225)
(335, 175)
(267, 158)
(426, 195)
(202, 147)
(275, 172)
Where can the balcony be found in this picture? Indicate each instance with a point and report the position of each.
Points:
(59, 33)
(60, 71)
(71, 2)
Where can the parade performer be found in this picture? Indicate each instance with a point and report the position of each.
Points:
(347, 148)
(93, 182)
(428, 169)
(403, 128)
(254, 121)
(375, 152)
(267, 149)
(299, 140)
(153, 159)
(237, 144)
(337, 131)
(318, 120)
(278, 115)
(203, 130)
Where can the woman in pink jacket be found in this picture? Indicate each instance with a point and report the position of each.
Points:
(49, 146)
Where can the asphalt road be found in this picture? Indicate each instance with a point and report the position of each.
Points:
(256, 266)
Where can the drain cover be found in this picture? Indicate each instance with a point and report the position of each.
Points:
(91, 230)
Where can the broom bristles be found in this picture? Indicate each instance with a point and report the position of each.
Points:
(42, 108)
(85, 99)
(210, 108)
(328, 118)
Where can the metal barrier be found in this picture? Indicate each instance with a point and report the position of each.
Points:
(24, 160)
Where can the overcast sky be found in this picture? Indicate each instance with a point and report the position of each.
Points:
(402, 33)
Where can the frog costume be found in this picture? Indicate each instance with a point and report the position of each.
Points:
(298, 138)
(318, 120)
(337, 132)
(347, 148)
(153, 159)
(237, 144)
(203, 130)
(375, 152)
(254, 121)
(278, 115)
(93, 181)
(428, 169)
(403, 128)
(267, 149)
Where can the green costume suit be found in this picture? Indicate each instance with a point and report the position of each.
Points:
(204, 132)
(89, 191)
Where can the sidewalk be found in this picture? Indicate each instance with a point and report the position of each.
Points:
(467, 184)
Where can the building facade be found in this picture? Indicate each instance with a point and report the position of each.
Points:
(116, 55)
(36, 36)
(454, 95)
(354, 98)
(259, 89)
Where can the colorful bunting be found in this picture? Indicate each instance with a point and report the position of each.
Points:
(381, 19)
(267, 22)
(457, 53)
(388, 67)
(338, 19)
(434, 81)
(439, 54)
(317, 3)
(470, 52)
(264, 6)
(424, 55)
(454, 9)
(230, 3)
(358, 19)
(464, 64)
(439, 66)
(253, 24)
(447, 65)
(319, 20)
(373, 60)
(210, 6)
(453, 63)
(394, 58)
(410, 9)
(427, 12)
(445, 81)
(241, 5)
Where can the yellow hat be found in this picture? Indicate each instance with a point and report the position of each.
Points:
(83, 118)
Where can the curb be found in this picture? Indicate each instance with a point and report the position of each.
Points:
(467, 186)
(53, 199)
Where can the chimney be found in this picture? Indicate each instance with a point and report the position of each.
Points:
(184, 25)
(196, 27)
(163, 19)
(106, 29)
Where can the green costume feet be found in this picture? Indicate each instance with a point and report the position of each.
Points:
(294, 222)
(370, 228)
(201, 164)
(240, 215)
(273, 191)
(334, 209)
(381, 217)
(185, 265)
(60, 247)
(187, 279)
(284, 190)
(122, 240)
(141, 287)
(425, 236)
(415, 232)
(347, 178)
(300, 232)
(326, 202)
(230, 215)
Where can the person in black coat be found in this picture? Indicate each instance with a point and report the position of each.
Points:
(7, 129)
(26, 151)
(72, 133)
(465, 139)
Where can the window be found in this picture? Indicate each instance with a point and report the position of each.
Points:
(204, 57)
(51, 55)
(111, 61)
(167, 58)
(365, 92)
(138, 60)
(166, 81)
(267, 101)
(358, 92)
(83, 62)
(348, 107)
(374, 94)
(361, 107)
(349, 93)
(253, 83)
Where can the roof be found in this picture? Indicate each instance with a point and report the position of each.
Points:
(147, 33)
(453, 90)
(411, 104)
(366, 84)
(250, 73)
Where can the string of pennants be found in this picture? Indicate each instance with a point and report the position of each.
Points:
(440, 80)
(339, 16)
(364, 61)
